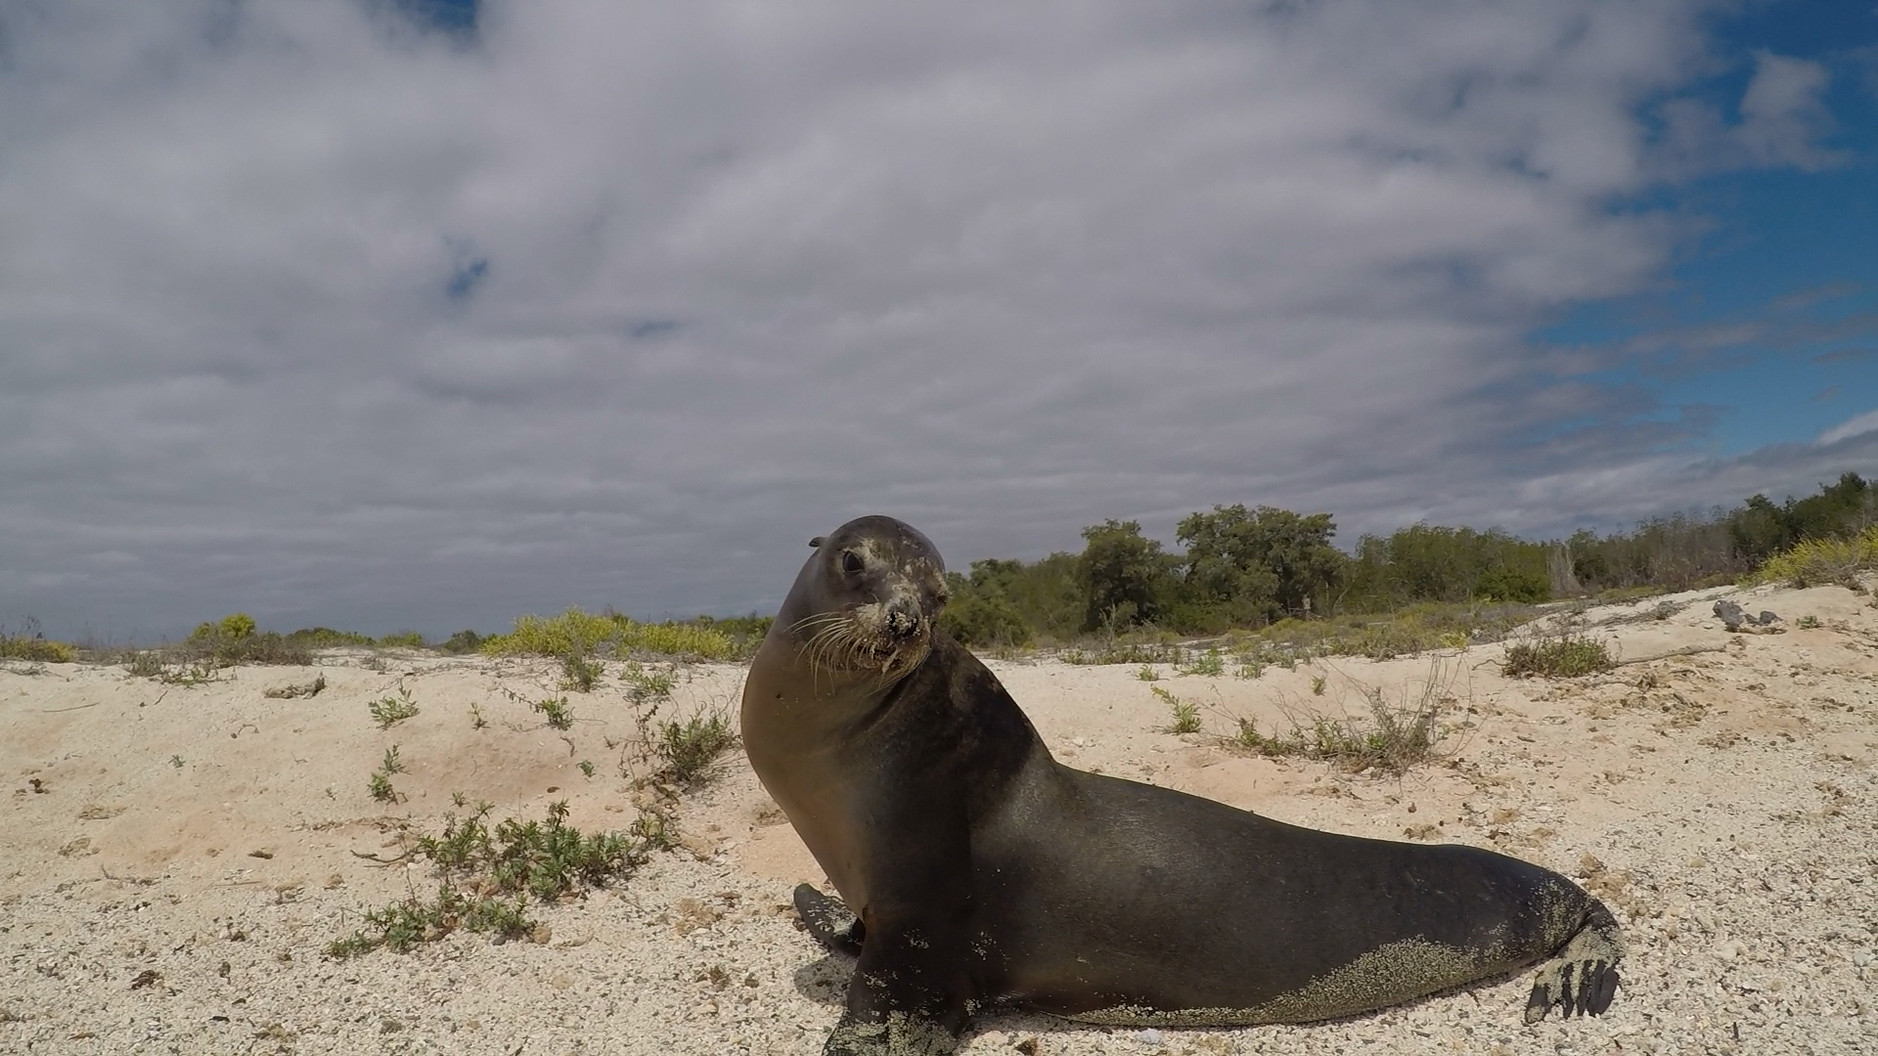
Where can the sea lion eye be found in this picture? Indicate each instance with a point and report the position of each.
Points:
(850, 562)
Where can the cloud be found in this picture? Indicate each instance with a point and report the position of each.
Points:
(1783, 121)
(1859, 426)
(317, 315)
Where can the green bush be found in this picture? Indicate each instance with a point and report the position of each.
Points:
(29, 644)
(983, 619)
(690, 747)
(577, 633)
(462, 642)
(1564, 656)
(1817, 562)
(327, 638)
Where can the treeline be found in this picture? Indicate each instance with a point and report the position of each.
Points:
(1249, 567)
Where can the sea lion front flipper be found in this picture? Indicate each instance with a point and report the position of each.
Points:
(911, 989)
(829, 921)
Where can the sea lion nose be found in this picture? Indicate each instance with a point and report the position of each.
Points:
(902, 620)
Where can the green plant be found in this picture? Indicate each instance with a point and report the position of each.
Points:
(488, 877)
(1560, 656)
(29, 644)
(556, 711)
(1123, 651)
(1148, 674)
(1186, 715)
(327, 638)
(402, 640)
(1317, 685)
(379, 784)
(586, 768)
(643, 684)
(389, 711)
(187, 673)
(145, 664)
(610, 634)
(579, 673)
(462, 642)
(477, 721)
(1392, 737)
(233, 627)
(689, 748)
(303, 689)
(1807, 623)
(1209, 663)
(234, 640)
(1817, 562)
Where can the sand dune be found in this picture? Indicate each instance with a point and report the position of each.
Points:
(174, 859)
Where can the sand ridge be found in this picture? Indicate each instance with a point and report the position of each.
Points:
(174, 859)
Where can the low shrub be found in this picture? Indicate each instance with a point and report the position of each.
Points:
(1562, 656)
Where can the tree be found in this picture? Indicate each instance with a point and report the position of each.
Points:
(1121, 573)
(981, 612)
(1258, 566)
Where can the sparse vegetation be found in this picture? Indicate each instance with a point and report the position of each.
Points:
(389, 711)
(1388, 737)
(293, 690)
(488, 878)
(1566, 655)
(1209, 663)
(1148, 674)
(1186, 715)
(645, 685)
(579, 673)
(1137, 650)
(688, 748)
(556, 711)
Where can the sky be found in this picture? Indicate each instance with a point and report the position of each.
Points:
(425, 314)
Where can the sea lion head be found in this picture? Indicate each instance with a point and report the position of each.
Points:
(866, 599)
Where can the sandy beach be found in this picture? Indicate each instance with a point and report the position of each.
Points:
(175, 859)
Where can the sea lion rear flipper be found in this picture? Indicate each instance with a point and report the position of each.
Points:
(829, 921)
(1582, 978)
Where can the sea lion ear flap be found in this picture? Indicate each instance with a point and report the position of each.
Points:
(816, 543)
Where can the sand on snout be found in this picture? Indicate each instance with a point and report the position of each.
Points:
(175, 859)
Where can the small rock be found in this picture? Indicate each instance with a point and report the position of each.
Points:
(1149, 1037)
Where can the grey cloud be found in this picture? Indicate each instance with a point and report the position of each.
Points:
(733, 273)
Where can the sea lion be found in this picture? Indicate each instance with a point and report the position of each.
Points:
(980, 870)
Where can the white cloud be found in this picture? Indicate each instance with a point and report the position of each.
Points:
(1859, 426)
(753, 269)
(1783, 120)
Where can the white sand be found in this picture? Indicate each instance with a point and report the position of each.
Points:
(1728, 814)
